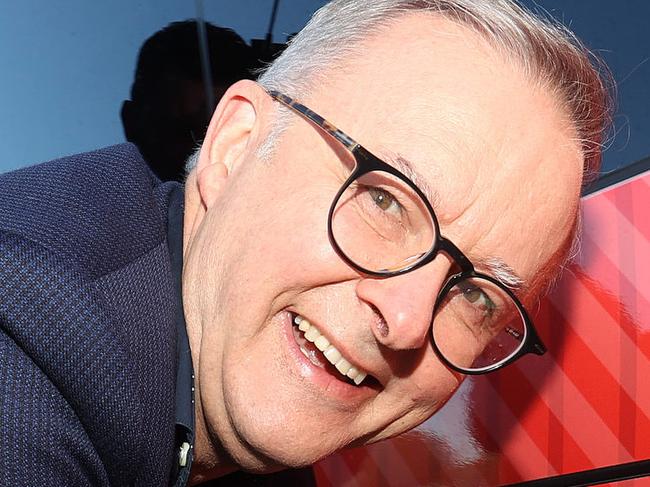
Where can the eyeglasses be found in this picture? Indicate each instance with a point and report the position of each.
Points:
(381, 224)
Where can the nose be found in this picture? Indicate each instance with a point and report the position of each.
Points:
(405, 304)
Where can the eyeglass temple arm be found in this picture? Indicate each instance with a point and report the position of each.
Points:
(315, 118)
(538, 347)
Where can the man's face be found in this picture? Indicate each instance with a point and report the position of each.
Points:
(495, 149)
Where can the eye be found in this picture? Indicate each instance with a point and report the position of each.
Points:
(478, 298)
(384, 200)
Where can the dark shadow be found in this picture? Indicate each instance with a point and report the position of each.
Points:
(169, 110)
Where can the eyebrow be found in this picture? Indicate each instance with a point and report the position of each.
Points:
(405, 166)
(502, 271)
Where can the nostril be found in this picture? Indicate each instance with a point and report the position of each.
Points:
(382, 326)
(380, 323)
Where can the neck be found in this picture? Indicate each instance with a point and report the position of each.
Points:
(210, 459)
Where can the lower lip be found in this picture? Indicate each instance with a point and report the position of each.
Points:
(346, 392)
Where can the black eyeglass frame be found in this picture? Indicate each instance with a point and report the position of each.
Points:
(367, 162)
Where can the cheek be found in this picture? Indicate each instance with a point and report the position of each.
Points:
(285, 229)
(430, 393)
(285, 252)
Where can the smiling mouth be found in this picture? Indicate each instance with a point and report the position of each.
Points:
(317, 348)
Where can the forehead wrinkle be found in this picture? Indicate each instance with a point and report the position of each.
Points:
(493, 265)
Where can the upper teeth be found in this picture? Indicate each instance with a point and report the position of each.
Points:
(334, 357)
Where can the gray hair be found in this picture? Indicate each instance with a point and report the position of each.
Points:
(546, 50)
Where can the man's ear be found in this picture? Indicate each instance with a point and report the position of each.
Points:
(232, 132)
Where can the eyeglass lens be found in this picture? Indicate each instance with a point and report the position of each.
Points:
(477, 325)
(380, 223)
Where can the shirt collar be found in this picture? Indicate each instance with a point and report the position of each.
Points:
(184, 444)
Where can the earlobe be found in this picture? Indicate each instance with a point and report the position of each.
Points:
(211, 181)
(232, 131)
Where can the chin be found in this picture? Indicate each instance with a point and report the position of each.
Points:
(264, 458)
(267, 440)
(270, 450)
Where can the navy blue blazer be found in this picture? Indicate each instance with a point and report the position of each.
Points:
(89, 307)
(87, 340)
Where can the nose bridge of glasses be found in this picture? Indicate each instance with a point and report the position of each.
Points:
(429, 278)
(448, 247)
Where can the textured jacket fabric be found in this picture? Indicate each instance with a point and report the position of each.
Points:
(87, 338)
